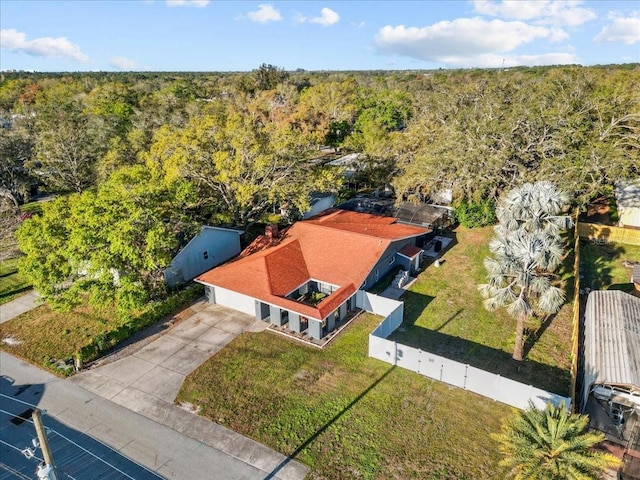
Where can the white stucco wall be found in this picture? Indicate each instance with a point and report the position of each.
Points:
(235, 300)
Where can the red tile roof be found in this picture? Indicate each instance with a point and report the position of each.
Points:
(339, 247)
(410, 251)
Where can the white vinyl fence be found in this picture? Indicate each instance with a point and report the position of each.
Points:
(487, 384)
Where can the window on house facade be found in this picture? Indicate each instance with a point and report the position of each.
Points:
(392, 260)
(205, 255)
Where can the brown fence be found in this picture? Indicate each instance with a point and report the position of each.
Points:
(575, 335)
(609, 234)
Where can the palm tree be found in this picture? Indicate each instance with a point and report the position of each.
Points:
(520, 278)
(533, 207)
(551, 445)
(526, 250)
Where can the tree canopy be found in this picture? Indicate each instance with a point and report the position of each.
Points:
(111, 242)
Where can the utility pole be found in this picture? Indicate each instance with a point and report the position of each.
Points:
(48, 470)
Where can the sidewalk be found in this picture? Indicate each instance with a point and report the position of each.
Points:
(18, 306)
(182, 452)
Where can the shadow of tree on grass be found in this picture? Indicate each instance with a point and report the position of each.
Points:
(487, 358)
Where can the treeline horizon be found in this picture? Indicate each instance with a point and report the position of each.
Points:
(145, 159)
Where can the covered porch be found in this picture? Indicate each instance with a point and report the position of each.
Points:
(305, 328)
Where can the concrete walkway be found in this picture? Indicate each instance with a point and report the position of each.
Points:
(18, 306)
(148, 381)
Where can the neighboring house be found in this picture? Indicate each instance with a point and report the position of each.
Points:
(352, 163)
(211, 247)
(611, 380)
(305, 278)
(319, 203)
(635, 279)
(628, 198)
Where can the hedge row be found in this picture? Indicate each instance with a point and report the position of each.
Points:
(154, 312)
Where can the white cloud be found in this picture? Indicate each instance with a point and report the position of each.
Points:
(187, 3)
(265, 13)
(463, 37)
(624, 30)
(123, 63)
(544, 12)
(359, 24)
(327, 18)
(13, 40)
(491, 60)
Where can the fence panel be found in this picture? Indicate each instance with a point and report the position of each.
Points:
(382, 349)
(408, 357)
(483, 383)
(454, 373)
(609, 234)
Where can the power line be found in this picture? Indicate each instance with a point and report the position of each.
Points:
(79, 446)
(13, 470)
(23, 402)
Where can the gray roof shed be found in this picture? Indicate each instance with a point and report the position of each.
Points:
(612, 341)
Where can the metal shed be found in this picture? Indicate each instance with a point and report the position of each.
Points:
(612, 347)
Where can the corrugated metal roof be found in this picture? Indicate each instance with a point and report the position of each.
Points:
(635, 276)
(612, 338)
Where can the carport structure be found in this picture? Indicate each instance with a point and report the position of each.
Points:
(611, 382)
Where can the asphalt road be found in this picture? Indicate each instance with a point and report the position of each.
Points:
(139, 447)
(77, 456)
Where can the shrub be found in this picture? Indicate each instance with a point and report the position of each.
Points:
(476, 213)
(151, 314)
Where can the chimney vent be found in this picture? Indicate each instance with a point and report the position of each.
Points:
(271, 230)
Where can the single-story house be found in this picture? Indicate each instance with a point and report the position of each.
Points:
(305, 278)
(352, 163)
(611, 379)
(628, 198)
(211, 247)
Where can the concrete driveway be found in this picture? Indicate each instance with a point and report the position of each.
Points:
(156, 372)
(148, 381)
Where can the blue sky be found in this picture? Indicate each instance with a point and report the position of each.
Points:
(215, 35)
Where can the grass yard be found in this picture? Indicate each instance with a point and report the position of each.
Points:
(444, 315)
(12, 283)
(601, 265)
(44, 337)
(346, 415)
(50, 339)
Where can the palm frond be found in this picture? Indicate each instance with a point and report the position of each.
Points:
(551, 299)
(551, 444)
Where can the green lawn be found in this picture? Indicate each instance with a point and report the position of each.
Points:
(12, 283)
(601, 265)
(346, 415)
(46, 337)
(444, 315)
